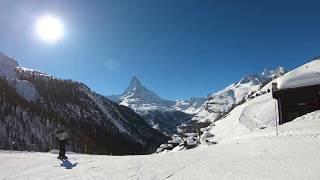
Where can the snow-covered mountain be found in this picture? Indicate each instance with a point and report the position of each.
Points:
(141, 99)
(166, 115)
(257, 114)
(161, 114)
(254, 148)
(260, 112)
(32, 103)
(220, 103)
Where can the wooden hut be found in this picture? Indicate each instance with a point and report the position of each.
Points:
(297, 95)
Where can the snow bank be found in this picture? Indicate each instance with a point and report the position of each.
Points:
(260, 113)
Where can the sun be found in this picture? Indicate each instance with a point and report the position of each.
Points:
(49, 28)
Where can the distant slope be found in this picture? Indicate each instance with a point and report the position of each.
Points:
(189, 106)
(221, 103)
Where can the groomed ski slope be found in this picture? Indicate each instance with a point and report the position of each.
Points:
(293, 154)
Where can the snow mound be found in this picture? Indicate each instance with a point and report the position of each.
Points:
(259, 113)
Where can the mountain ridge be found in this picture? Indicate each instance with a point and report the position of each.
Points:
(35, 102)
(222, 102)
(159, 113)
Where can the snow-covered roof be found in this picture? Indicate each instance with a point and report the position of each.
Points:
(306, 75)
(299, 80)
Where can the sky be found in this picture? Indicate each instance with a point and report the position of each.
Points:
(177, 48)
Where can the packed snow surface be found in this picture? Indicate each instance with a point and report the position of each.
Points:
(293, 154)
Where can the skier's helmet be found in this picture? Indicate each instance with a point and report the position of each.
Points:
(59, 127)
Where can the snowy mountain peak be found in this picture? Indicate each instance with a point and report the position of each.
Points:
(134, 85)
(161, 114)
(137, 95)
(266, 75)
(253, 78)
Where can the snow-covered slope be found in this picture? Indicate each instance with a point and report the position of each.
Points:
(294, 154)
(256, 113)
(189, 106)
(220, 103)
(9, 69)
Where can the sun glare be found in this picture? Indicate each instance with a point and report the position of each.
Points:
(49, 28)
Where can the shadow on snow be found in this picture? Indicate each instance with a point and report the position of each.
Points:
(67, 164)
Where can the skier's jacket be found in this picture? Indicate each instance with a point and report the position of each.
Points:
(60, 134)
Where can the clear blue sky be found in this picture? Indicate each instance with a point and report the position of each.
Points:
(178, 48)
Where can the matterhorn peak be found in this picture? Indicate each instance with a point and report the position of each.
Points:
(136, 95)
(134, 85)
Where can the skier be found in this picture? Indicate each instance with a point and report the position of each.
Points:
(61, 136)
